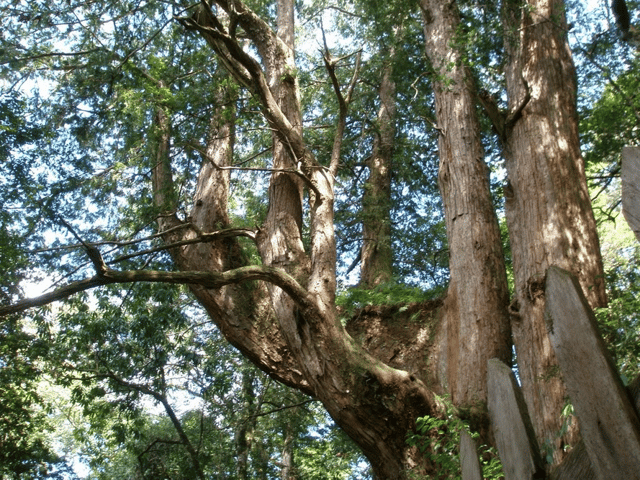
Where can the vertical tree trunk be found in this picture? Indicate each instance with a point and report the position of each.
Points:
(244, 430)
(376, 253)
(547, 202)
(280, 240)
(475, 310)
(287, 468)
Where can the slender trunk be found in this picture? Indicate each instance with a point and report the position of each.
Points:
(163, 186)
(244, 431)
(476, 326)
(287, 468)
(547, 202)
(376, 253)
(181, 433)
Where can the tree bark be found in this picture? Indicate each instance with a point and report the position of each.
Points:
(476, 322)
(243, 315)
(547, 202)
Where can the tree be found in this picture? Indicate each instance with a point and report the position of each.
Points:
(269, 280)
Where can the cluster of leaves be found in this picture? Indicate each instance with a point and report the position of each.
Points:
(619, 322)
(548, 449)
(438, 439)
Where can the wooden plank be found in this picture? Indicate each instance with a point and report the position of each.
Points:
(469, 458)
(575, 466)
(631, 187)
(511, 425)
(609, 425)
(577, 463)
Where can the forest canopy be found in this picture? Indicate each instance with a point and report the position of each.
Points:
(253, 239)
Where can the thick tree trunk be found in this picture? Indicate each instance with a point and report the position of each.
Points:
(547, 203)
(376, 253)
(476, 322)
(242, 314)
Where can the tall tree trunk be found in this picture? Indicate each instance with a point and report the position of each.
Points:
(280, 239)
(476, 321)
(547, 202)
(376, 253)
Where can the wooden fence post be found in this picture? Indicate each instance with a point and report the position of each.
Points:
(631, 187)
(511, 425)
(469, 458)
(608, 424)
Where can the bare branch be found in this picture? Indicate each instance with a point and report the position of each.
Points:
(201, 238)
(49, 55)
(92, 252)
(293, 171)
(343, 102)
(212, 280)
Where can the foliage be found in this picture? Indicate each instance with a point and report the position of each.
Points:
(619, 321)
(26, 451)
(438, 439)
(75, 133)
(547, 450)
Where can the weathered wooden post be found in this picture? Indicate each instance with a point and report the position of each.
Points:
(631, 187)
(469, 458)
(512, 428)
(609, 425)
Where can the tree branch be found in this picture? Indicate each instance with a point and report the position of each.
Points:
(92, 252)
(246, 69)
(343, 102)
(293, 171)
(212, 280)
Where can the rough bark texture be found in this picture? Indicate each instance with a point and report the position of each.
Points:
(476, 322)
(547, 206)
(630, 188)
(376, 253)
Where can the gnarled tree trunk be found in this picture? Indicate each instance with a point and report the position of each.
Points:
(293, 332)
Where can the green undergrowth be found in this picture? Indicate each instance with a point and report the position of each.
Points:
(390, 293)
(438, 439)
